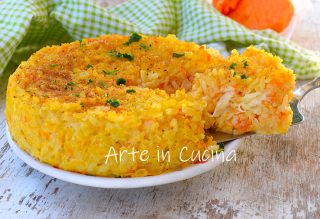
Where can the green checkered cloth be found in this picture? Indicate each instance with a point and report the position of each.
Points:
(28, 25)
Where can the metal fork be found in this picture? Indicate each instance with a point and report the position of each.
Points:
(299, 94)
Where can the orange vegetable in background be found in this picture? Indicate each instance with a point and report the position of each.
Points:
(225, 6)
(258, 14)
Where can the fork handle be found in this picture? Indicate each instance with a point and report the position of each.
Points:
(302, 91)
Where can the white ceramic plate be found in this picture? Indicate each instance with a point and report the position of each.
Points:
(137, 182)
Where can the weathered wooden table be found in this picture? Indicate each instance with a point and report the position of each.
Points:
(273, 177)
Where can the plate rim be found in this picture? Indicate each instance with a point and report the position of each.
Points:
(120, 183)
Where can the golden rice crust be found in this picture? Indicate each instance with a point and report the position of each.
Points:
(69, 104)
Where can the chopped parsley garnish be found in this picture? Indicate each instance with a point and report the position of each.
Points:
(131, 91)
(105, 95)
(54, 81)
(121, 81)
(112, 53)
(102, 84)
(221, 145)
(45, 95)
(120, 55)
(77, 95)
(81, 43)
(82, 104)
(177, 55)
(245, 64)
(133, 38)
(144, 46)
(234, 74)
(220, 149)
(71, 83)
(114, 103)
(126, 56)
(89, 66)
(90, 81)
(244, 76)
(109, 72)
(53, 65)
(233, 65)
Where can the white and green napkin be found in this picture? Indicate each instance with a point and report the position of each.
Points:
(28, 25)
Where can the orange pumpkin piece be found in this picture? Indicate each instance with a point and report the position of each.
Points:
(225, 6)
(258, 14)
